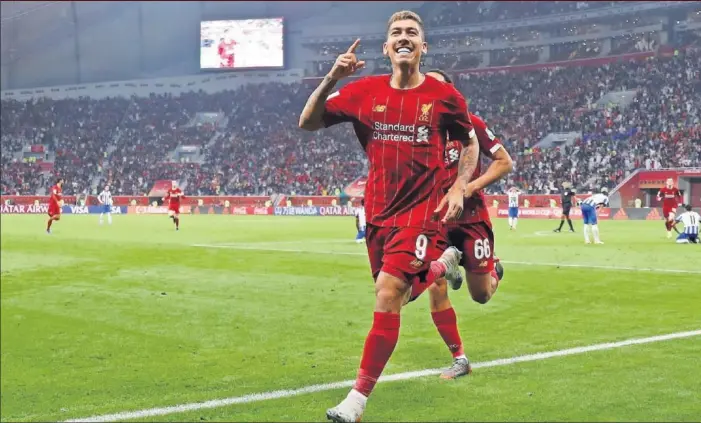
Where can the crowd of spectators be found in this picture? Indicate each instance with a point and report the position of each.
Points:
(258, 149)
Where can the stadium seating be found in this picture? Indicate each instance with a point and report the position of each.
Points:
(259, 149)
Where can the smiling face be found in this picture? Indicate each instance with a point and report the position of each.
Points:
(405, 39)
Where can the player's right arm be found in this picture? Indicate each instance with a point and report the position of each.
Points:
(659, 195)
(322, 111)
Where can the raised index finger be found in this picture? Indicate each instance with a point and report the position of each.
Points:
(353, 46)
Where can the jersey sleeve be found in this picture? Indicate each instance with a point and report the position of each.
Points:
(343, 105)
(458, 121)
(489, 143)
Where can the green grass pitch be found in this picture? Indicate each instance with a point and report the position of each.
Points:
(99, 320)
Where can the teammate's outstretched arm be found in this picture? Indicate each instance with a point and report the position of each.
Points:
(346, 64)
(501, 166)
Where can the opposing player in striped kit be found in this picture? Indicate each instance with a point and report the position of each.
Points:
(105, 199)
(589, 207)
(691, 220)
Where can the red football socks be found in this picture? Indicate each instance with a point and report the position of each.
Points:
(436, 271)
(379, 346)
(668, 225)
(447, 324)
(48, 225)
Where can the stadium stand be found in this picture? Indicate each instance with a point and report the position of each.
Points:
(256, 148)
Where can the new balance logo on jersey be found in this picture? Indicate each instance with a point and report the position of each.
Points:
(416, 263)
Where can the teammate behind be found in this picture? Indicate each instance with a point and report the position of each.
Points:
(589, 207)
(472, 233)
(691, 221)
(671, 199)
(567, 197)
(360, 223)
(401, 121)
(513, 194)
(105, 199)
(173, 196)
(55, 204)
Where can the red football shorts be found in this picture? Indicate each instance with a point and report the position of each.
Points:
(476, 241)
(405, 253)
(666, 211)
(54, 209)
(174, 209)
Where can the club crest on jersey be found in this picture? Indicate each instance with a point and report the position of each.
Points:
(416, 264)
(425, 110)
(380, 108)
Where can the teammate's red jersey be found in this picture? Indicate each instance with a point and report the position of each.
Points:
(56, 195)
(671, 198)
(403, 133)
(474, 208)
(226, 53)
(174, 196)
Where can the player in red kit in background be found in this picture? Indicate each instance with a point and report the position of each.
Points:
(226, 51)
(671, 199)
(173, 196)
(55, 204)
(472, 235)
(402, 121)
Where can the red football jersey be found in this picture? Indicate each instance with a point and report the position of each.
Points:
(226, 53)
(403, 133)
(174, 196)
(56, 195)
(474, 208)
(671, 197)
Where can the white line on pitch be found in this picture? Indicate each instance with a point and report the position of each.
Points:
(287, 393)
(520, 263)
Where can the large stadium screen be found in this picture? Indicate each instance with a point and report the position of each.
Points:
(242, 44)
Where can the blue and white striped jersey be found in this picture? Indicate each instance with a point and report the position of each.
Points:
(105, 198)
(597, 200)
(691, 221)
(513, 198)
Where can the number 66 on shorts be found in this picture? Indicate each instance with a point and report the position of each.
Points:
(476, 241)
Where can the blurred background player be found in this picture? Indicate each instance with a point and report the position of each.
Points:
(55, 204)
(472, 233)
(589, 207)
(226, 49)
(567, 199)
(173, 196)
(691, 221)
(105, 199)
(513, 194)
(671, 198)
(360, 222)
